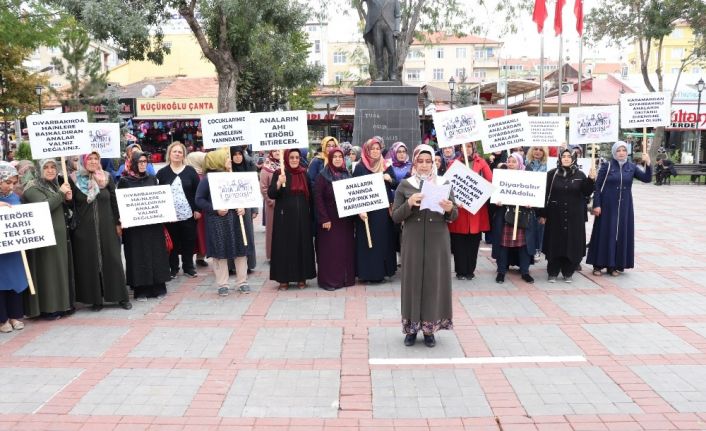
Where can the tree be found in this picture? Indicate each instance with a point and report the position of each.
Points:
(82, 68)
(225, 30)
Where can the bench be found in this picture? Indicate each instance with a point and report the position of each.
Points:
(694, 170)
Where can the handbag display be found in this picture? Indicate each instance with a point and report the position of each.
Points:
(523, 219)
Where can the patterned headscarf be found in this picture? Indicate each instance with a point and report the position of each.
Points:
(566, 170)
(50, 187)
(392, 155)
(89, 183)
(373, 165)
(271, 164)
(520, 161)
(324, 151)
(423, 148)
(7, 171)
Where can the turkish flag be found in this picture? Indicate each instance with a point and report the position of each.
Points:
(578, 11)
(540, 14)
(558, 27)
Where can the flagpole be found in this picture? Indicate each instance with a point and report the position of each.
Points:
(561, 72)
(578, 96)
(541, 75)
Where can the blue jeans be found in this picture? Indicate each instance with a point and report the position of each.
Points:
(522, 255)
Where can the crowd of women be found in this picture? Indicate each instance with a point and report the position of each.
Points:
(305, 236)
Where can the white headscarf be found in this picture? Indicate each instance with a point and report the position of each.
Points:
(614, 150)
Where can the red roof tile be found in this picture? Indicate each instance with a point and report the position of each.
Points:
(442, 38)
(191, 87)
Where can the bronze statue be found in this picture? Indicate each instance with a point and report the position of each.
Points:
(382, 28)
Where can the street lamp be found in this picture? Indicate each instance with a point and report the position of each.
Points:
(452, 85)
(38, 91)
(699, 88)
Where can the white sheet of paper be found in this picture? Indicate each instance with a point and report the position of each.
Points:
(433, 194)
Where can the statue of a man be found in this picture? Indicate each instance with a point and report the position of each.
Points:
(382, 28)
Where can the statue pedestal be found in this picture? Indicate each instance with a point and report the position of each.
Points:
(389, 111)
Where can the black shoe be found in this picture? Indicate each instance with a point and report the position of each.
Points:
(500, 278)
(528, 278)
(173, 273)
(202, 263)
(429, 340)
(97, 307)
(460, 277)
(470, 276)
(250, 271)
(329, 288)
(190, 273)
(126, 305)
(410, 339)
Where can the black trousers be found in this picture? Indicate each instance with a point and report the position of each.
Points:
(563, 264)
(10, 305)
(465, 250)
(183, 235)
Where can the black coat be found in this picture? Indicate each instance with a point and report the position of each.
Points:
(292, 238)
(565, 214)
(146, 257)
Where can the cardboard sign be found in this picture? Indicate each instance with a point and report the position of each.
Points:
(506, 132)
(524, 188)
(231, 190)
(58, 135)
(228, 129)
(105, 138)
(141, 206)
(645, 110)
(279, 130)
(584, 163)
(458, 126)
(593, 124)
(24, 227)
(360, 194)
(547, 131)
(470, 189)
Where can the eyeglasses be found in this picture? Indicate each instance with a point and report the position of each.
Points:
(142, 162)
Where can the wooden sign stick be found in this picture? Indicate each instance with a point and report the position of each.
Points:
(28, 273)
(66, 172)
(367, 232)
(281, 166)
(242, 230)
(514, 227)
(644, 140)
(465, 154)
(593, 155)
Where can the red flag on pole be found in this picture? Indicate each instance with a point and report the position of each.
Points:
(578, 11)
(558, 27)
(540, 14)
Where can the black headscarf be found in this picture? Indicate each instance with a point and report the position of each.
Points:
(566, 171)
(246, 165)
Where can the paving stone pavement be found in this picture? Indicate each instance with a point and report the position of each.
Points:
(600, 354)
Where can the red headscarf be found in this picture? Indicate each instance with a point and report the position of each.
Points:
(299, 184)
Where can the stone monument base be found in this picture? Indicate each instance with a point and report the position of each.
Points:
(389, 111)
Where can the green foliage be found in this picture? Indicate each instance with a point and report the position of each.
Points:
(18, 95)
(112, 110)
(24, 151)
(28, 24)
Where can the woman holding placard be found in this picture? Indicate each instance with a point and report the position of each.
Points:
(380, 261)
(98, 264)
(146, 257)
(50, 266)
(321, 159)
(563, 216)
(271, 165)
(241, 163)
(613, 238)
(467, 229)
(537, 162)
(183, 181)
(335, 241)
(12, 272)
(292, 240)
(426, 253)
(196, 159)
(505, 248)
(224, 237)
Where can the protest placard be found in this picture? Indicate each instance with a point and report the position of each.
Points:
(433, 194)
(105, 138)
(58, 135)
(141, 206)
(547, 131)
(524, 188)
(584, 163)
(24, 227)
(593, 124)
(278, 130)
(645, 110)
(228, 129)
(458, 126)
(360, 194)
(506, 132)
(470, 189)
(231, 190)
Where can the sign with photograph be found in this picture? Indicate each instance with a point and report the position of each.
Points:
(360, 194)
(57, 135)
(25, 227)
(231, 190)
(458, 126)
(593, 124)
(141, 206)
(105, 138)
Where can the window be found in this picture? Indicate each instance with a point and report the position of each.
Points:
(484, 53)
(461, 73)
(339, 58)
(414, 54)
(438, 52)
(677, 53)
(317, 46)
(438, 74)
(479, 74)
(313, 28)
(675, 70)
(461, 53)
(168, 45)
(624, 72)
(677, 33)
(414, 74)
(338, 77)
